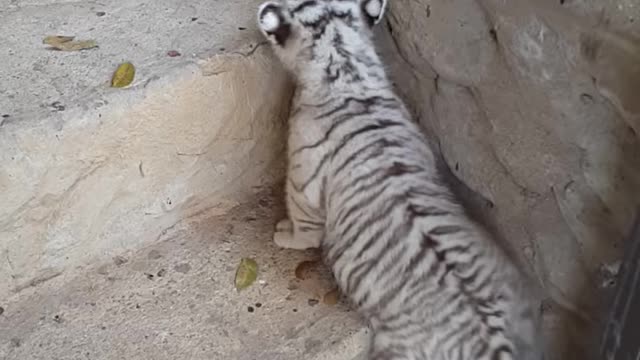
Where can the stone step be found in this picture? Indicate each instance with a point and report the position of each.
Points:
(87, 170)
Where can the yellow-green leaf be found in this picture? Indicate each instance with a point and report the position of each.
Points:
(123, 76)
(66, 43)
(246, 274)
(57, 39)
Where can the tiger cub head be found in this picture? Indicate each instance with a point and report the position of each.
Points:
(330, 40)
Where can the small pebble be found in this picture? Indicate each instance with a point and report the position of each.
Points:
(494, 34)
(57, 106)
(119, 260)
(586, 98)
(612, 268)
(154, 255)
(182, 268)
(529, 252)
(545, 306)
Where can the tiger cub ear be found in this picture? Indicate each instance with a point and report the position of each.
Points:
(274, 23)
(373, 10)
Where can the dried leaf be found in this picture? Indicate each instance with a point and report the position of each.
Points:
(66, 43)
(303, 269)
(57, 39)
(246, 273)
(123, 76)
(77, 45)
(332, 297)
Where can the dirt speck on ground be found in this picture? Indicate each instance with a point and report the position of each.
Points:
(182, 268)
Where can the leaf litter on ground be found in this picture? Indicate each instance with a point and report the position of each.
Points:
(246, 274)
(67, 43)
(123, 76)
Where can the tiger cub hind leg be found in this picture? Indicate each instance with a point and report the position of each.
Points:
(290, 236)
(304, 226)
(284, 225)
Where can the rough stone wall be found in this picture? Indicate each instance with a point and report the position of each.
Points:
(535, 107)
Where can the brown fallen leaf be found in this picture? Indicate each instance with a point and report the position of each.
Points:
(246, 274)
(332, 297)
(303, 269)
(66, 43)
(123, 76)
(57, 39)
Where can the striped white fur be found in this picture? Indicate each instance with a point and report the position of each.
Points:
(362, 185)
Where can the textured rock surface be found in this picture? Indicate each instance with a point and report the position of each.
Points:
(535, 107)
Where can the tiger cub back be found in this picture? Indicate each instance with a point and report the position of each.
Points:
(362, 185)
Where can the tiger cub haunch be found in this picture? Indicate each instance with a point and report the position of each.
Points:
(362, 185)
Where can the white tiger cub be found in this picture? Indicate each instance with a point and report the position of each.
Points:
(362, 185)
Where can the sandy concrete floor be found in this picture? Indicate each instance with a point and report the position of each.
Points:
(176, 300)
